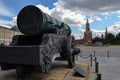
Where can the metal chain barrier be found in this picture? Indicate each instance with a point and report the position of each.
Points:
(83, 56)
(94, 58)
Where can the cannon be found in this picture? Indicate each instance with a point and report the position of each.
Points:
(43, 38)
(32, 21)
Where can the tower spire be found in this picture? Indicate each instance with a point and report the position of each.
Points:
(87, 20)
(106, 32)
(87, 25)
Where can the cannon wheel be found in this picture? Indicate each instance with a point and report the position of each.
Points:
(70, 55)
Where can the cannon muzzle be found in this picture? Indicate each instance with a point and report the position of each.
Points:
(32, 21)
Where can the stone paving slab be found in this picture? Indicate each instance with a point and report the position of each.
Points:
(109, 68)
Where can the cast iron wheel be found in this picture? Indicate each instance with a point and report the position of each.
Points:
(70, 48)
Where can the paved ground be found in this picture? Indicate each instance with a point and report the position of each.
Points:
(59, 71)
(109, 67)
(114, 51)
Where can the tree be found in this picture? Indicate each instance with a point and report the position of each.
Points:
(96, 39)
(110, 38)
(117, 39)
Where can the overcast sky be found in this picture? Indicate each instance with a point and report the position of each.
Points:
(100, 13)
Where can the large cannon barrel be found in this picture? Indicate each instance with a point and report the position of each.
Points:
(32, 21)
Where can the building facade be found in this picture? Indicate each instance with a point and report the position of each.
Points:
(6, 35)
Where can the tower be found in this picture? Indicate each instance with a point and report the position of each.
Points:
(87, 34)
(106, 33)
(87, 26)
(102, 37)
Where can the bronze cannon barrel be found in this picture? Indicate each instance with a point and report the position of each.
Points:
(32, 21)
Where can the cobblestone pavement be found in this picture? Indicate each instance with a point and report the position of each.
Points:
(109, 67)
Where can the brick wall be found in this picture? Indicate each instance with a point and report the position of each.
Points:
(88, 37)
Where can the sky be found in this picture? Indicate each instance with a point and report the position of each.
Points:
(100, 13)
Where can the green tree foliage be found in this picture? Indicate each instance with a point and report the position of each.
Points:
(110, 38)
(117, 39)
(96, 39)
